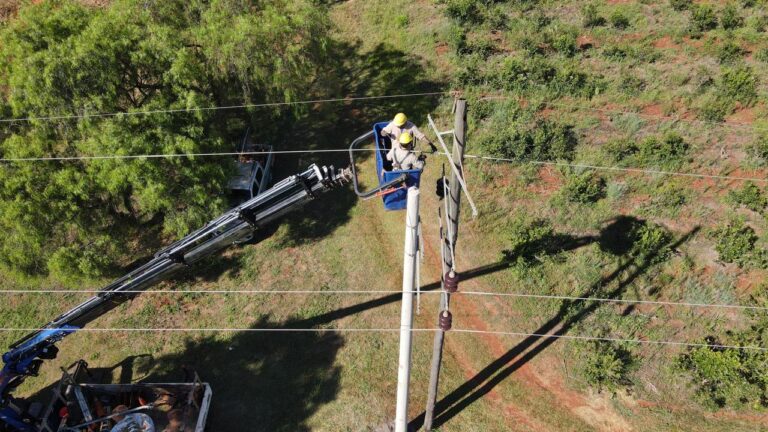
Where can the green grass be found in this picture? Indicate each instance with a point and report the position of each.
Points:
(340, 381)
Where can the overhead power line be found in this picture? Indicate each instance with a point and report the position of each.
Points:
(608, 339)
(376, 330)
(377, 292)
(177, 155)
(217, 108)
(622, 169)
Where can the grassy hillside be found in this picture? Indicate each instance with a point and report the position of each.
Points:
(654, 85)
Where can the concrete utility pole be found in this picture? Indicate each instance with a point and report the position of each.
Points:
(449, 245)
(410, 255)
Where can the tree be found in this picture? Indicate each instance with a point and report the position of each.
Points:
(78, 218)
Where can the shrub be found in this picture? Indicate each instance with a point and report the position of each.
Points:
(703, 19)
(731, 377)
(761, 55)
(619, 20)
(631, 84)
(620, 149)
(651, 243)
(608, 365)
(466, 11)
(534, 74)
(584, 188)
(750, 196)
(729, 52)
(758, 149)
(625, 51)
(563, 40)
(520, 135)
(680, 5)
(758, 22)
(735, 242)
(527, 238)
(668, 150)
(739, 84)
(730, 18)
(669, 198)
(591, 17)
(715, 108)
(402, 20)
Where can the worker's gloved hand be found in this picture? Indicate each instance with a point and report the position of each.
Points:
(432, 148)
(422, 157)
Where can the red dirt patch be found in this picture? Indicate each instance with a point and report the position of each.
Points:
(665, 43)
(585, 41)
(550, 182)
(744, 116)
(654, 110)
(441, 48)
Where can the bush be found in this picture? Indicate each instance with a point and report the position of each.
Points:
(519, 134)
(620, 149)
(669, 150)
(536, 74)
(466, 11)
(563, 40)
(727, 377)
(739, 84)
(715, 108)
(668, 199)
(735, 242)
(750, 196)
(730, 18)
(761, 55)
(729, 52)
(758, 149)
(590, 16)
(584, 188)
(625, 51)
(609, 365)
(703, 19)
(631, 84)
(651, 243)
(680, 5)
(721, 378)
(527, 239)
(619, 20)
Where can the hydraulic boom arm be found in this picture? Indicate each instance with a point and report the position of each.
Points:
(27, 354)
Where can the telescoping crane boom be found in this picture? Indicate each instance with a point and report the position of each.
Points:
(237, 225)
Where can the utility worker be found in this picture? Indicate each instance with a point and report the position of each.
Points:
(136, 422)
(402, 155)
(401, 124)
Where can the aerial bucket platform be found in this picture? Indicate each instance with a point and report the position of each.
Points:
(393, 184)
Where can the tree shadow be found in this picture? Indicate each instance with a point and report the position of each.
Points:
(571, 312)
(334, 125)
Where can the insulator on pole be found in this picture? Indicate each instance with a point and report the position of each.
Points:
(451, 281)
(445, 320)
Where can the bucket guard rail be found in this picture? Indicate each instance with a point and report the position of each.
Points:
(382, 187)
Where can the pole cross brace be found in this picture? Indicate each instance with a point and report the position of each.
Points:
(454, 167)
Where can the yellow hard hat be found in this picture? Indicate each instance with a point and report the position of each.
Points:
(400, 119)
(406, 138)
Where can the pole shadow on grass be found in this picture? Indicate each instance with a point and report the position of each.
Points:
(616, 238)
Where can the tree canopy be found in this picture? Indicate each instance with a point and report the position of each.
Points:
(58, 58)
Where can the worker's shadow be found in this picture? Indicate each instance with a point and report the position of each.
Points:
(261, 381)
(618, 238)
